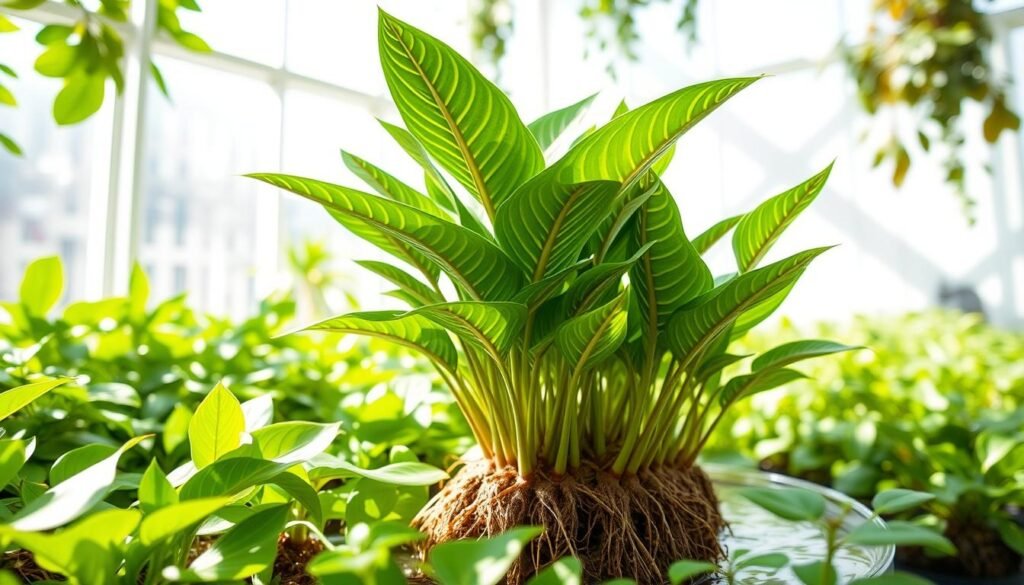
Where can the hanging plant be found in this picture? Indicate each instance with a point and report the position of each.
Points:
(933, 57)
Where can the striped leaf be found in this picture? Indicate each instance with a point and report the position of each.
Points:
(550, 126)
(437, 186)
(750, 384)
(790, 353)
(489, 327)
(692, 329)
(626, 148)
(592, 337)
(759, 229)
(387, 185)
(477, 267)
(413, 331)
(710, 237)
(413, 289)
(670, 273)
(757, 314)
(599, 283)
(545, 224)
(466, 123)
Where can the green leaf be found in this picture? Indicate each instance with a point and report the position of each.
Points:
(1012, 534)
(42, 285)
(592, 337)
(899, 500)
(550, 126)
(893, 579)
(230, 476)
(77, 460)
(176, 517)
(407, 473)
(671, 273)
(564, 571)
(10, 145)
(158, 79)
(747, 385)
(545, 224)
(694, 328)
(6, 25)
(796, 504)
(53, 33)
(758, 230)
(258, 412)
(88, 551)
(480, 562)
(626, 148)
(466, 123)
(13, 454)
(73, 497)
(216, 427)
(176, 428)
(899, 533)
(816, 573)
(80, 98)
(294, 441)
(490, 327)
(410, 330)
(790, 353)
(599, 284)
(477, 267)
(191, 42)
(302, 492)
(388, 186)
(421, 293)
(58, 60)
(15, 399)
(241, 552)
(437, 186)
(155, 491)
(710, 236)
(680, 571)
(6, 97)
(767, 560)
(8, 71)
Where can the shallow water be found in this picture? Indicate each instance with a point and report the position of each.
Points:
(759, 531)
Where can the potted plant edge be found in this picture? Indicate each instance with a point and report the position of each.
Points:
(566, 309)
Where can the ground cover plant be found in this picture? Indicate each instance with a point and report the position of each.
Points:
(590, 395)
(937, 406)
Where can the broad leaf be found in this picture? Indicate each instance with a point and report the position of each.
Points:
(387, 185)
(216, 427)
(545, 224)
(681, 571)
(599, 284)
(564, 571)
(490, 327)
(466, 123)
(42, 285)
(491, 557)
(710, 236)
(230, 476)
(550, 126)
(258, 412)
(593, 336)
(899, 533)
(76, 460)
(413, 331)
(670, 273)
(794, 504)
(693, 328)
(294, 441)
(790, 353)
(747, 385)
(478, 267)
(408, 473)
(155, 490)
(15, 399)
(899, 500)
(13, 454)
(174, 518)
(73, 497)
(241, 552)
(626, 148)
(759, 229)
(437, 186)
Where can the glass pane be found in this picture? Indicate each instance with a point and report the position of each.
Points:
(251, 29)
(337, 41)
(45, 195)
(200, 220)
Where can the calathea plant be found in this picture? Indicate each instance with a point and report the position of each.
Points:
(590, 396)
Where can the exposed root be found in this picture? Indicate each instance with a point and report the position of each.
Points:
(634, 526)
(23, 564)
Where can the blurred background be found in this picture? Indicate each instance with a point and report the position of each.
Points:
(926, 199)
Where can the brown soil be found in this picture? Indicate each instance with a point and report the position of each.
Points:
(292, 558)
(23, 564)
(981, 552)
(634, 526)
